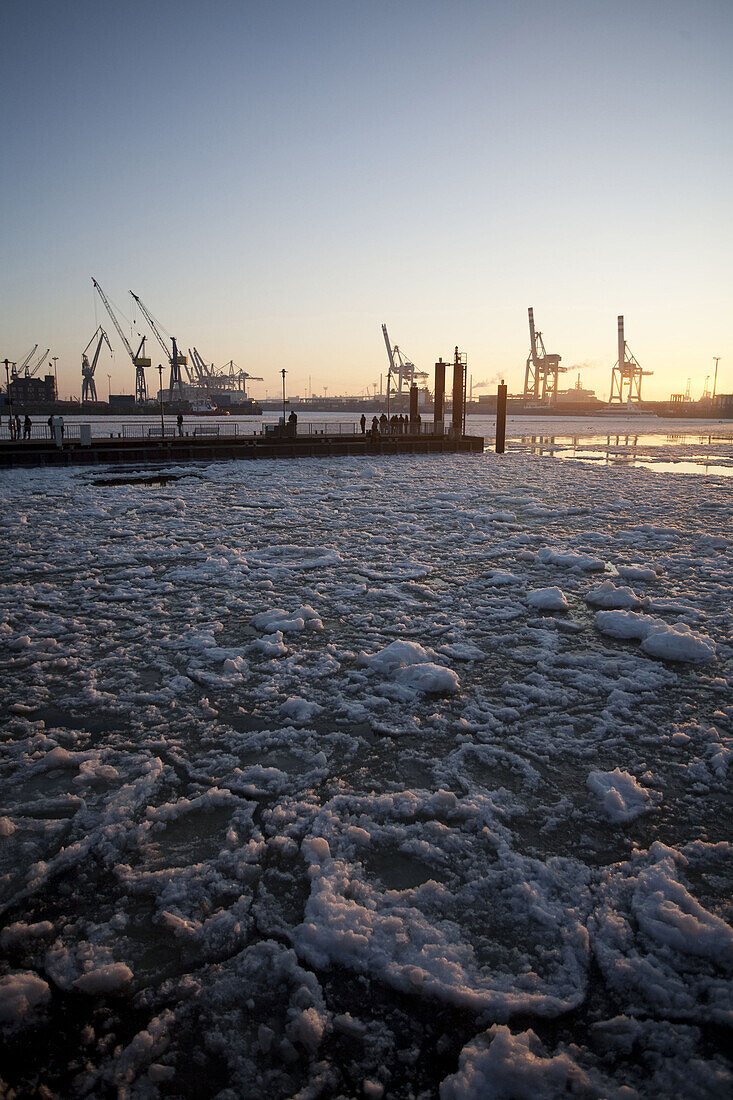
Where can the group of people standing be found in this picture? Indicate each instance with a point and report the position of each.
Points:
(21, 429)
(394, 425)
(14, 423)
(55, 422)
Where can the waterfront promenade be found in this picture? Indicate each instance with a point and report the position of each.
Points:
(211, 442)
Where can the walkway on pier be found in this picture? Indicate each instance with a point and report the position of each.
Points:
(117, 450)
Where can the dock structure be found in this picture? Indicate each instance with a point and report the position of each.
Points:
(75, 446)
(118, 451)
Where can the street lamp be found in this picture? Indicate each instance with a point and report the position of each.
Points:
(162, 421)
(283, 372)
(109, 386)
(7, 390)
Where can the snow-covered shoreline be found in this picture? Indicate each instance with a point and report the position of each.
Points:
(450, 733)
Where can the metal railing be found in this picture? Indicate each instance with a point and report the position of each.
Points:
(228, 430)
(38, 432)
(326, 428)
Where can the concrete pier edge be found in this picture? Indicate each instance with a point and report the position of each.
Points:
(120, 452)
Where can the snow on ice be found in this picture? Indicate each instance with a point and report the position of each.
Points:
(322, 779)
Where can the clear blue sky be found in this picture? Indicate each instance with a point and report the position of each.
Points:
(275, 179)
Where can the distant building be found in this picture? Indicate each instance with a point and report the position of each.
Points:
(121, 402)
(486, 401)
(33, 391)
(576, 394)
(723, 404)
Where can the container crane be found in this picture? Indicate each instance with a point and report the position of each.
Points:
(175, 359)
(237, 378)
(542, 370)
(230, 377)
(626, 374)
(139, 359)
(400, 367)
(88, 385)
(202, 370)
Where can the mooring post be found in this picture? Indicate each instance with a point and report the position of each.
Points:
(413, 406)
(439, 397)
(162, 418)
(458, 425)
(500, 418)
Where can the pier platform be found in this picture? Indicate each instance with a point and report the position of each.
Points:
(189, 448)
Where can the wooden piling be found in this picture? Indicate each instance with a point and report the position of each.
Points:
(501, 418)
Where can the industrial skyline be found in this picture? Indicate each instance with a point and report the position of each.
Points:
(277, 181)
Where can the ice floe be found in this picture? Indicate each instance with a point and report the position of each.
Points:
(316, 787)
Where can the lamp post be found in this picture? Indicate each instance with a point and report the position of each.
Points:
(162, 421)
(109, 386)
(283, 372)
(7, 390)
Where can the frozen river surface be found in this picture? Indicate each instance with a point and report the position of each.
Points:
(404, 777)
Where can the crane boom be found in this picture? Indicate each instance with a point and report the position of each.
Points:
(532, 337)
(175, 359)
(389, 349)
(30, 371)
(151, 321)
(103, 338)
(139, 359)
(115, 322)
(202, 369)
(18, 370)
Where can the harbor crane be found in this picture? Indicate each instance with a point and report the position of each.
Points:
(626, 374)
(139, 359)
(17, 370)
(201, 369)
(230, 377)
(233, 377)
(88, 385)
(30, 371)
(401, 371)
(175, 359)
(542, 369)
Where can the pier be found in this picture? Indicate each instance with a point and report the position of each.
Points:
(209, 443)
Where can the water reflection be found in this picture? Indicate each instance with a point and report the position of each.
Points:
(642, 450)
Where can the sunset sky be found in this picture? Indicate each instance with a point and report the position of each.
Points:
(275, 179)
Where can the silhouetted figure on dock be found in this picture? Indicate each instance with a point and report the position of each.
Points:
(50, 425)
(293, 423)
(179, 422)
(362, 421)
(375, 427)
(27, 425)
(16, 427)
(383, 424)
